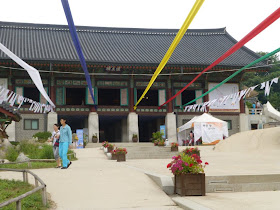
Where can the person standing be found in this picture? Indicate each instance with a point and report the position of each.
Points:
(65, 141)
(55, 140)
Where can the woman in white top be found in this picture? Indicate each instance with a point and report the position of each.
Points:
(55, 140)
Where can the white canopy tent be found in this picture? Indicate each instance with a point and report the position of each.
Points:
(206, 127)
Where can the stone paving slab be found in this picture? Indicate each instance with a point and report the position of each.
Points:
(93, 182)
(238, 201)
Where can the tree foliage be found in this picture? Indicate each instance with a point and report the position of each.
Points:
(253, 78)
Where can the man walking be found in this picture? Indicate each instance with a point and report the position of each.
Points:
(64, 141)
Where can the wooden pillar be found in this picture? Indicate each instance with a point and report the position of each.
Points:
(169, 105)
(10, 85)
(131, 96)
(242, 106)
(169, 95)
(131, 99)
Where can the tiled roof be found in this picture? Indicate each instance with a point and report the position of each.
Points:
(120, 45)
(13, 110)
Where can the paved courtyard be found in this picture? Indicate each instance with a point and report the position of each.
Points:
(93, 182)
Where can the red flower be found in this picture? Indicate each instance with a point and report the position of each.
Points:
(199, 161)
(169, 165)
(191, 165)
(206, 163)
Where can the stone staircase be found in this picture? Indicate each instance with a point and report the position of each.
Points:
(242, 183)
(142, 150)
(146, 151)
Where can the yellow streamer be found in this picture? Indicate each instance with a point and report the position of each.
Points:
(173, 46)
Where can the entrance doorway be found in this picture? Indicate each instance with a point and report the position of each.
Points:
(113, 128)
(75, 121)
(148, 125)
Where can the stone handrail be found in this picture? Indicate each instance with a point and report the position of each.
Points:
(18, 199)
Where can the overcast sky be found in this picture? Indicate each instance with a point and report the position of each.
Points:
(238, 16)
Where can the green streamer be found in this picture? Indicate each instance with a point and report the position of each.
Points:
(233, 75)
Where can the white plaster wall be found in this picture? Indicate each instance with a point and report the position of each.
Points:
(132, 125)
(11, 131)
(52, 119)
(93, 125)
(171, 130)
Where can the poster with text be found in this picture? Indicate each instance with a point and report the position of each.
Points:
(224, 90)
(80, 135)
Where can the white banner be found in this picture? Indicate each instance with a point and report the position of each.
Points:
(230, 100)
(211, 132)
(33, 73)
(12, 98)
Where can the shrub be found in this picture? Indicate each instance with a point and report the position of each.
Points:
(249, 104)
(46, 152)
(157, 136)
(11, 154)
(30, 149)
(42, 136)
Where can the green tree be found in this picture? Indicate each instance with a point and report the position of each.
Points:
(253, 78)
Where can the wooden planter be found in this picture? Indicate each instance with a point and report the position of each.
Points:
(94, 139)
(190, 184)
(174, 149)
(135, 139)
(121, 157)
(110, 149)
(114, 157)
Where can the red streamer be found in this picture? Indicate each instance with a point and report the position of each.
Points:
(263, 25)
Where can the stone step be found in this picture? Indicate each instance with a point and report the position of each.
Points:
(243, 187)
(238, 179)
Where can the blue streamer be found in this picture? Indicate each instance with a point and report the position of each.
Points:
(76, 42)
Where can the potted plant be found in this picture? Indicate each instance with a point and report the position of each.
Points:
(189, 174)
(105, 144)
(110, 147)
(94, 138)
(135, 138)
(121, 153)
(174, 147)
(161, 143)
(85, 143)
(191, 151)
(114, 155)
(155, 142)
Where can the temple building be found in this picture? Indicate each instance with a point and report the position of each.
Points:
(121, 62)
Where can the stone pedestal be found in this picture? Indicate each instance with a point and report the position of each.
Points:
(171, 130)
(52, 119)
(11, 131)
(93, 125)
(132, 125)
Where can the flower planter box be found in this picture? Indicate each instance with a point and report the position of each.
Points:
(190, 184)
(110, 149)
(121, 157)
(174, 149)
(135, 139)
(114, 157)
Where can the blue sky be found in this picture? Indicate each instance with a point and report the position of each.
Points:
(239, 16)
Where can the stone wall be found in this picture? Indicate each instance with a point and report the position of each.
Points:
(234, 121)
(22, 134)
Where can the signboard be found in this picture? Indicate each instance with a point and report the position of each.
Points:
(80, 135)
(162, 130)
(225, 89)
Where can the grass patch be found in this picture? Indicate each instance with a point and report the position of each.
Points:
(34, 165)
(10, 189)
